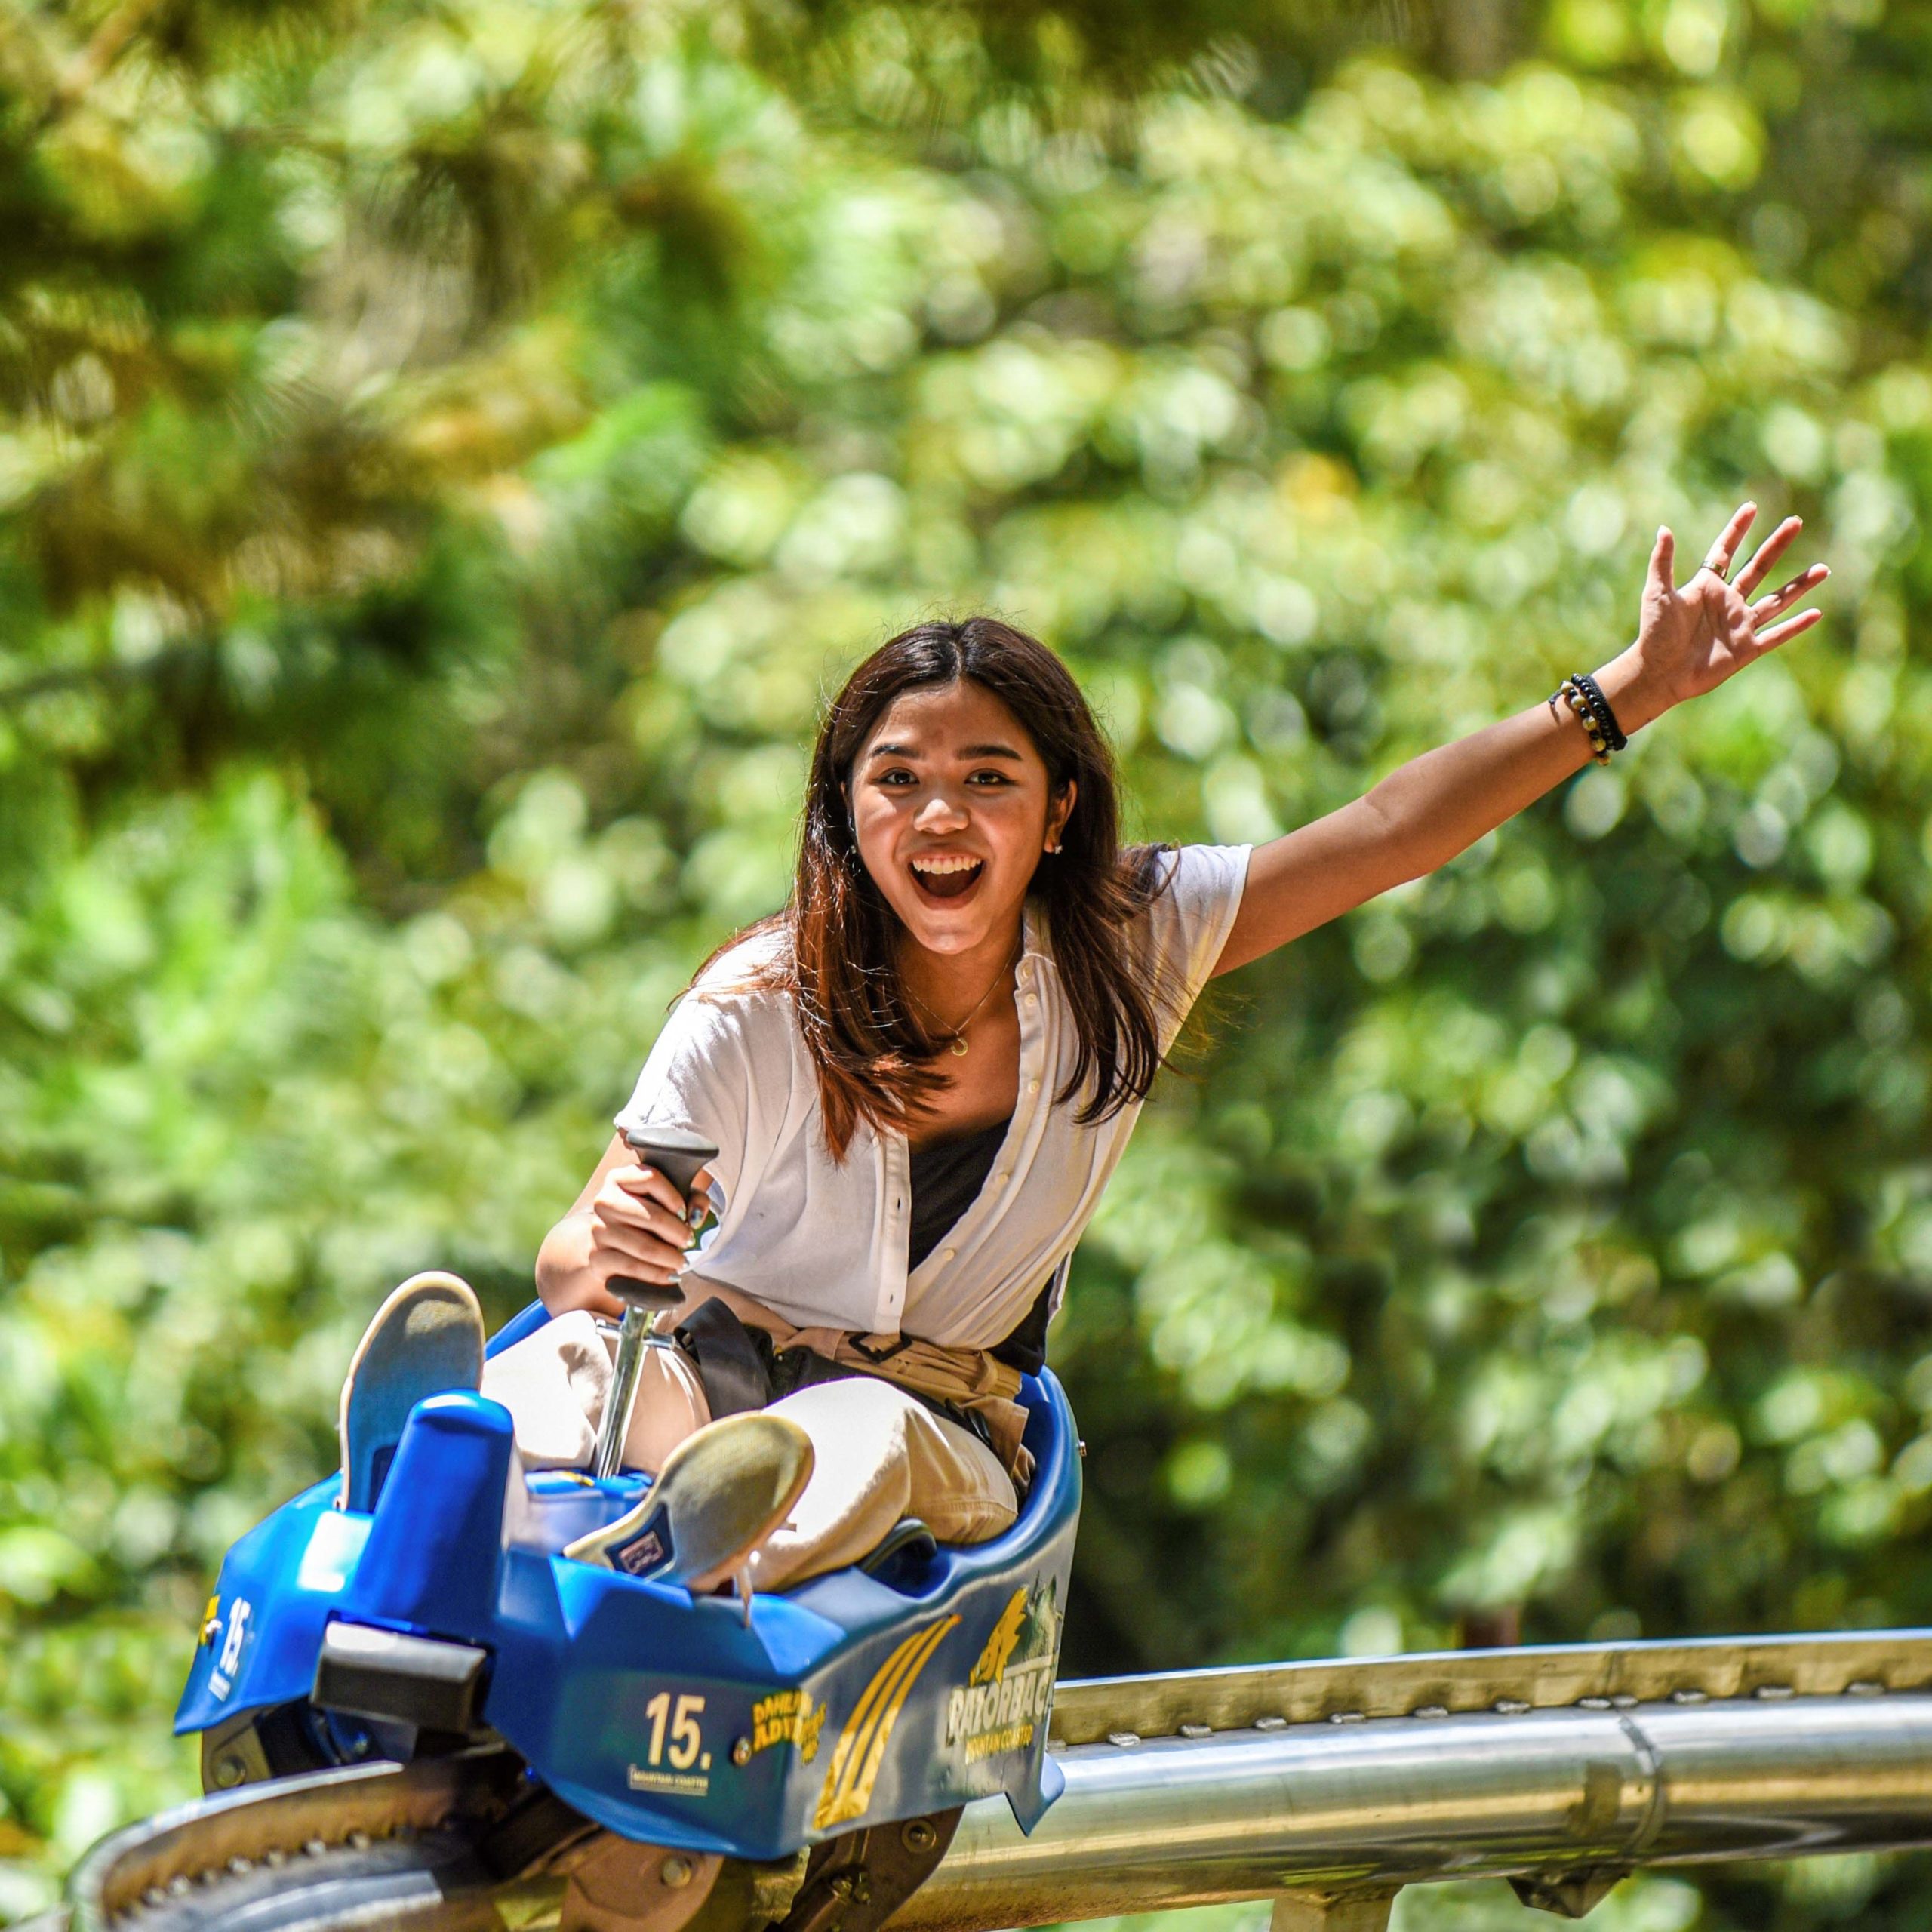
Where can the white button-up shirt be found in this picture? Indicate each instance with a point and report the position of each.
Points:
(822, 1242)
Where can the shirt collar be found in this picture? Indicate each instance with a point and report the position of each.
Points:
(1034, 941)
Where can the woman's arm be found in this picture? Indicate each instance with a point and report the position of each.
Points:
(1691, 638)
(630, 1220)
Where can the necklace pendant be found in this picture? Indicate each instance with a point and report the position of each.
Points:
(959, 1044)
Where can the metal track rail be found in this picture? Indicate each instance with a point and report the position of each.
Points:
(1327, 1787)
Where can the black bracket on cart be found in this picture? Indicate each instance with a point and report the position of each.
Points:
(857, 1882)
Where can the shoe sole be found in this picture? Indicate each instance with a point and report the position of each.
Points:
(426, 1340)
(708, 1463)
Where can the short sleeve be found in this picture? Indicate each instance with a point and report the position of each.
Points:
(698, 1077)
(1190, 919)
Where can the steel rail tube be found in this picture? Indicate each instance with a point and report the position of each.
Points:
(1385, 1802)
(1560, 1768)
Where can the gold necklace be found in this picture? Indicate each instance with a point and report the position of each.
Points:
(957, 1042)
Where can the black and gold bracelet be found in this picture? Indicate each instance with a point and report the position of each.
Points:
(1600, 709)
(1572, 694)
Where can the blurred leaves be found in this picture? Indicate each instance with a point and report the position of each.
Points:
(446, 456)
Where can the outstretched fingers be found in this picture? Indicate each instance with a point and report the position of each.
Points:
(1767, 554)
(1721, 554)
(1663, 558)
(1781, 599)
(1778, 634)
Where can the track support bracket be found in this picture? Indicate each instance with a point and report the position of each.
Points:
(1569, 1894)
(1331, 1911)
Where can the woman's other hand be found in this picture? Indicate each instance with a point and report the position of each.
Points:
(640, 1226)
(1693, 636)
(629, 1221)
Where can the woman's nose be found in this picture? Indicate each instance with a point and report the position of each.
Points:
(939, 813)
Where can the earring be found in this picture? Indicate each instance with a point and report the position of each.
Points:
(1053, 848)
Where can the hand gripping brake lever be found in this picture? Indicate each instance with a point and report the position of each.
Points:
(677, 1156)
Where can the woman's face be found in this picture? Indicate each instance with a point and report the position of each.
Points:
(952, 806)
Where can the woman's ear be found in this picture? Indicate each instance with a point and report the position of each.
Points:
(1059, 812)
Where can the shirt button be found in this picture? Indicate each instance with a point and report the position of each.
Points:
(947, 1254)
(1032, 999)
(999, 1180)
(1032, 1086)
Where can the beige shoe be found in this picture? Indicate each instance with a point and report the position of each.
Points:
(427, 1340)
(721, 1494)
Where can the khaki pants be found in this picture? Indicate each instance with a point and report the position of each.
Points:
(878, 1453)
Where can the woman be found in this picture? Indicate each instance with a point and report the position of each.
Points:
(920, 1075)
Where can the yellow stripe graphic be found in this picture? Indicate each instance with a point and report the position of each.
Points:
(858, 1726)
(848, 1789)
(875, 1757)
(855, 1764)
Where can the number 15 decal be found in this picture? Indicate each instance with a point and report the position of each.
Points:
(686, 1740)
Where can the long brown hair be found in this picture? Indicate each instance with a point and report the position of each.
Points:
(874, 1058)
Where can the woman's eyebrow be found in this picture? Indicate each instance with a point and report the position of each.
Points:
(964, 752)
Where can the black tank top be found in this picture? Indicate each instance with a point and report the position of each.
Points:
(946, 1178)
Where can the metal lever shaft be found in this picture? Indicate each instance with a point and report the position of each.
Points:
(634, 1336)
(677, 1156)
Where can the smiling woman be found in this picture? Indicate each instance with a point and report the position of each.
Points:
(914, 747)
(920, 1075)
(960, 773)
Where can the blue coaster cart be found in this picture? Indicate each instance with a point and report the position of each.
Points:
(448, 1619)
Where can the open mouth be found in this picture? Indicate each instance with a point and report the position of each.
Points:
(945, 874)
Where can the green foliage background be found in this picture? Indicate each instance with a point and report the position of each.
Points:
(445, 453)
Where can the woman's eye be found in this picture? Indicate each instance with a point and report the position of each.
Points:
(896, 780)
(989, 778)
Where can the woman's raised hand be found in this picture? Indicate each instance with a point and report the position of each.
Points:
(1695, 635)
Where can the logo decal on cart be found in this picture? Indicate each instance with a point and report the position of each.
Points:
(684, 1771)
(1004, 1702)
(787, 1717)
(221, 1679)
(855, 1763)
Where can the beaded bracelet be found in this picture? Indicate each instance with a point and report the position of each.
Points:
(1600, 740)
(1599, 708)
(1585, 718)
